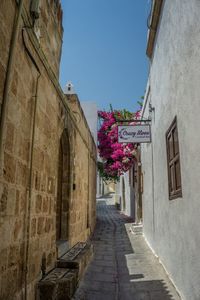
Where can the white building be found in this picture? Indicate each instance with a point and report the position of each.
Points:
(128, 191)
(125, 194)
(90, 112)
(171, 163)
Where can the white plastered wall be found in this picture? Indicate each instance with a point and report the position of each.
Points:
(172, 227)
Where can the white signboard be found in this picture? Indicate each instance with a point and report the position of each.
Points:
(134, 134)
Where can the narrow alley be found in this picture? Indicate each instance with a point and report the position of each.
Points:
(99, 150)
(123, 266)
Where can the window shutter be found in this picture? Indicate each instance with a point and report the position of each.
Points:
(173, 161)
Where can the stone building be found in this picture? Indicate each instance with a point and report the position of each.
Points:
(47, 153)
(171, 164)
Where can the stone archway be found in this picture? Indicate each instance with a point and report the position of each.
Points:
(63, 190)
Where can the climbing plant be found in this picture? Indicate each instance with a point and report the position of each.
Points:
(116, 158)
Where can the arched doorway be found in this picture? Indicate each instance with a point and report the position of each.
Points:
(63, 189)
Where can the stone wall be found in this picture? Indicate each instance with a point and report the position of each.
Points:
(38, 119)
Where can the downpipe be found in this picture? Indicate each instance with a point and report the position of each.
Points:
(28, 218)
(28, 209)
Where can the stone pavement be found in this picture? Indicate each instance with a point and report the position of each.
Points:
(123, 266)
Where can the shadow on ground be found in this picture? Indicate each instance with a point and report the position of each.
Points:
(119, 271)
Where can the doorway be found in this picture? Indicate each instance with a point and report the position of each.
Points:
(63, 193)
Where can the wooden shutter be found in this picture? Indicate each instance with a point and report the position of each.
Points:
(173, 161)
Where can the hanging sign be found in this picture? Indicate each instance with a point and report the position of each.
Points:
(134, 134)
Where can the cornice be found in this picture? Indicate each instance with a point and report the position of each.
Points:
(155, 17)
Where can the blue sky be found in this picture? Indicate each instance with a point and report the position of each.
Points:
(103, 53)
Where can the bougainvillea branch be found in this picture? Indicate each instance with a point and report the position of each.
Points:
(117, 158)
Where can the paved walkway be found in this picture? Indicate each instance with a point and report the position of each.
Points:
(123, 266)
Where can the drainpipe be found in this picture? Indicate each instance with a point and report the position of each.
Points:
(28, 216)
(10, 64)
(30, 188)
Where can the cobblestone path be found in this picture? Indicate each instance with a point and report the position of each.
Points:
(123, 266)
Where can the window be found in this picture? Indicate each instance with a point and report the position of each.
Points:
(173, 161)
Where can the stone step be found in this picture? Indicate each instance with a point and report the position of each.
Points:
(77, 257)
(61, 282)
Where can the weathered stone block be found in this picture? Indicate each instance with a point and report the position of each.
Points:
(9, 136)
(37, 179)
(23, 200)
(38, 158)
(73, 217)
(51, 204)
(59, 284)
(10, 210)
(17, 229)
(3, 260)
(17, 202)
(33, 227)
(9, 17)
(38, 204)
(49, 259)
(45, 206)
(14, 256)
(4, 47)
(22, 174)
(47, 291)
(51, 185)
(12, 280)
(43, 182)
(14, 84)
(24, 149)
(48, 224)
(9, 168)
(40, 226)
(67, 285)
(3, 198)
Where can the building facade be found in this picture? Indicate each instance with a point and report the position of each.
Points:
(124, 194)
(90, 112)
(47, 152)
(170, 163)
(129, 191)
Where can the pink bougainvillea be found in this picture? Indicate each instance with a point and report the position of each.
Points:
(117, 158)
